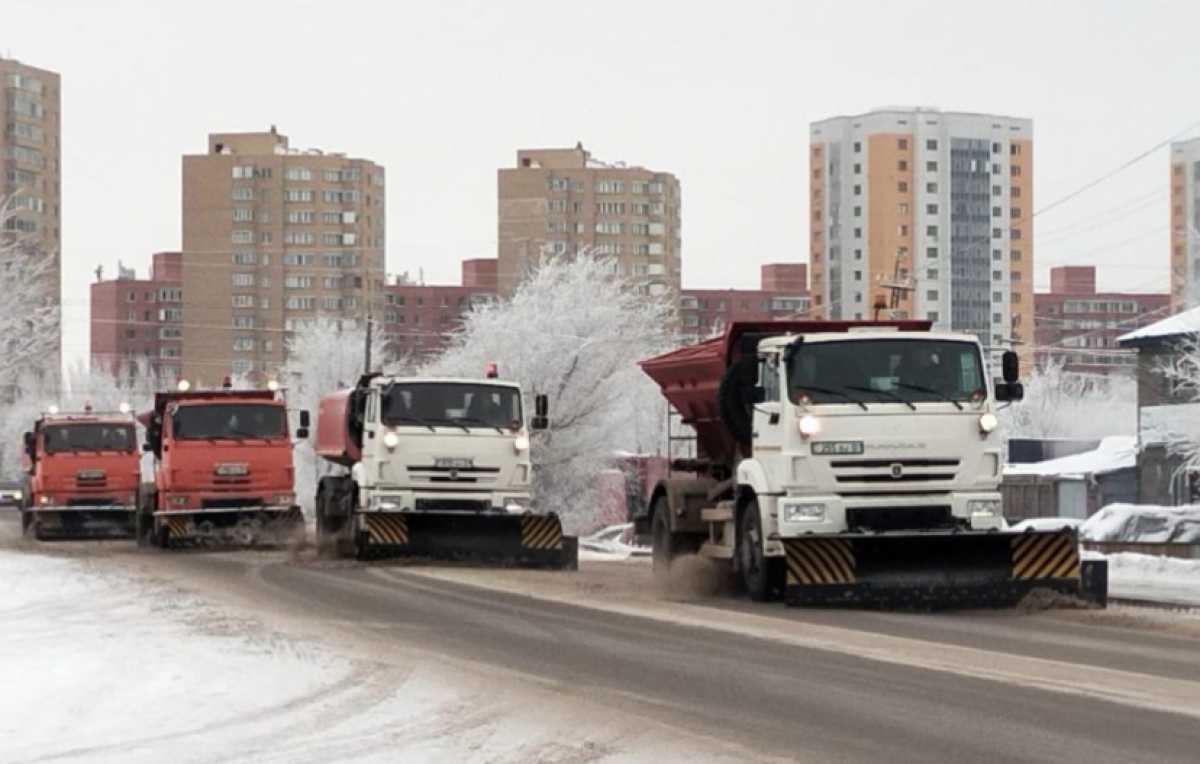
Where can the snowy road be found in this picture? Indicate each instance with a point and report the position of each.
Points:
(260, 656)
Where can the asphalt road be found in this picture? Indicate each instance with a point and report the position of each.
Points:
(761, 697)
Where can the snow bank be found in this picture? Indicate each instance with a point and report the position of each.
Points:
(614, 543)
(1145, 523)
(1187, 322)
(1114, 453)
(1046, 524)
(1161, 579)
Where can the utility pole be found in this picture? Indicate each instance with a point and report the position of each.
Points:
(367, 349)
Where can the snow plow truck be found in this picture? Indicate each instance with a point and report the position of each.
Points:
(851, 463)
(83, 475)
(434, 468)
(223, 469)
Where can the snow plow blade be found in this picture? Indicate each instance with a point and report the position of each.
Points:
(239, 528)
(79, 525)
(504, 539)
(937, 570)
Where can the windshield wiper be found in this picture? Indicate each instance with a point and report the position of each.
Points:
(421, 422)
(454, 422)
(830, 391)
(931, 391)
(476, 420)
(888, 393)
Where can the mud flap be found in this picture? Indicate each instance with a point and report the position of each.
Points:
(930, 570)
(528, 540)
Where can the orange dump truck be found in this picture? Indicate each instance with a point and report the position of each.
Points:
(223, 469)
(83, 476)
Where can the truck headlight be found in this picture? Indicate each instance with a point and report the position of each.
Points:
(18, 495)
(988, 422)
(983, 507)
(809, 425)
(516, 505)
(45, 499)
(804, 513)
(521, 442)
(179, 501)
(283, 498)
(386, 503)
(391, 439)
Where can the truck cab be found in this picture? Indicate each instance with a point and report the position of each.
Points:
(83, 475)
(223, 468)
(433, 466)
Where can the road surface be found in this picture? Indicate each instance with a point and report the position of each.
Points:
(739, 681)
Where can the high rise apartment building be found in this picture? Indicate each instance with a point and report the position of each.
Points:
(920, 213)
(1185, 225)
(274, 238)
(419, 320)
(30, 150)
(563, 201)
(137, 324)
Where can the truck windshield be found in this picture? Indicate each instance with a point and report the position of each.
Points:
(92, 436)
(459, 404)
(230, 420)
(886, 371)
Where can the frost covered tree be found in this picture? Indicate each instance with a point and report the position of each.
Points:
(1063, 404)
(575, 332)
(1182, 372)
(326, 355)
(29, 311)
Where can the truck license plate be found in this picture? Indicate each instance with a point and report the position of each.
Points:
(837, 448)
(453, 463)
(228, 469)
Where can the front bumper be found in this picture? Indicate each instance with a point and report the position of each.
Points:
(385, 500)
(41, 509)
(835, 506)
(100, 522)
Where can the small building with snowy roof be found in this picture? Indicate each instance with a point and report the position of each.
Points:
(1165, 412)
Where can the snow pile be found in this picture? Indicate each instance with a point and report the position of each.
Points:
(616, 542)
(1116, 452)
(1187, 322)
(1144, 523)
(1046, 524)
(1162, 579)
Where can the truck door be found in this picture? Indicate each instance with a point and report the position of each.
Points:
(768, 414)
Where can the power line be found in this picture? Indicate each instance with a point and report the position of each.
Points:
(1124, 166)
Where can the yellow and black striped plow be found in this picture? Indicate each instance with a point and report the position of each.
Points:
(178, 527)
(541, 532)
(820, 561)
(1037, 556)
(930, 569)
(389, 530)
(488, 537)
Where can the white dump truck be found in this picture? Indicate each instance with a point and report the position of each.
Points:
(850, 463)
(434, 468)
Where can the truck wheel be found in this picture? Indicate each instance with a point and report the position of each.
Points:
(26, 522)
(761, 575)
(662, 545)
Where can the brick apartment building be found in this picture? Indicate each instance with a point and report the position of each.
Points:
(273, 238)
(783, 293)
(564, 201)
(137, 323)
(419, 318)
(1078, 326)
(30, 151)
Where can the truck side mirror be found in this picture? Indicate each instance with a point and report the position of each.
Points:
(1010, 391)
(30, 442)
(302, 433)
(541, 409)
(1011, 366)
(147, 448)
(304, 420)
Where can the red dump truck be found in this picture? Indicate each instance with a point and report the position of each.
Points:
(83, 475)
(850, 462)
(223, 469)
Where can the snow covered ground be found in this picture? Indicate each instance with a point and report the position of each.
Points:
(99, 662)
(1159, 579)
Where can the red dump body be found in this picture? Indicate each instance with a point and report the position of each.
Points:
(336, 441)
(690, 376)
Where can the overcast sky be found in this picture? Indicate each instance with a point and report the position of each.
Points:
(444, 93)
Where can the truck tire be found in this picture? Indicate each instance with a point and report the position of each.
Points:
(26, 522)
(666, 546)
(734, 401)
(761, 575)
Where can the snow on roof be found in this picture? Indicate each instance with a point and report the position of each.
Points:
(1116, 452)
(1187, 322)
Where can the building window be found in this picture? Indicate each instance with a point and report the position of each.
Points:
(858, 233)
(931, 144)
(243, 194)
(931, 188)
(299, 237)
(244, 258)
(857, 190)
(931, 273)
(298, 282)
(997, 233)
(300, 216)
(931, 209)
(932, 315)
(243, 237)
(610, 186)
(243, 279)
(931, 231)
(610, 227)
(903, 166)
(857, 169)
(902, 187)
(301, 303)
(931, 295)
(243, 301)
(243, 322)
(243, 213)
(858, 212)
(858, 147)
(298, 195)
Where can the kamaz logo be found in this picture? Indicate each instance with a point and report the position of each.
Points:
(897, 471)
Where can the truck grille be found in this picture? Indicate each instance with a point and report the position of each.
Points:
(88, 501)
(231, 503)
(893, 471)
(899, 518)
(434, 474)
